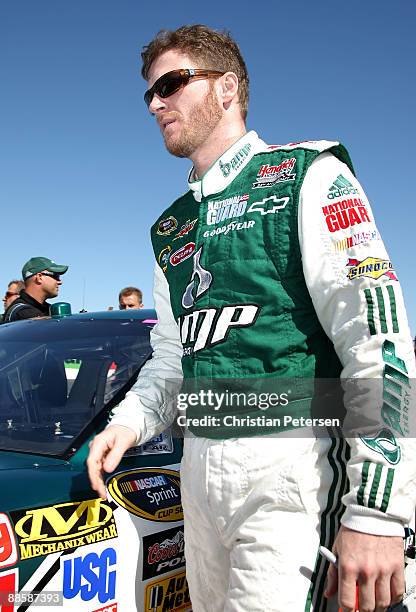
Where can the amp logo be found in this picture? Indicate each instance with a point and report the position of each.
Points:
(209, 326)
(90, 576)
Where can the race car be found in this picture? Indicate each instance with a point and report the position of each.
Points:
(61, 545)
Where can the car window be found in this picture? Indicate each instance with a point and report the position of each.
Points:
(55, 380)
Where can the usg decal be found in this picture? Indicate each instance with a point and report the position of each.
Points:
(42, 531)
(90, 576)
(151, 493)
(169, 594)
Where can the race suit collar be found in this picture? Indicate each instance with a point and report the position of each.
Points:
(224, 170)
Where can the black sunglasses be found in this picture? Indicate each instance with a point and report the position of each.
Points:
(55, 275)
(172, 81)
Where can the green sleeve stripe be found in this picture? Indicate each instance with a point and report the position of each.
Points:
(370, 311)
(374, 487)
(381, 310)
(392, 297)
(387, 490)
(364, 479)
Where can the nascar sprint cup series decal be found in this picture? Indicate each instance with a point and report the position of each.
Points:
(150, 493)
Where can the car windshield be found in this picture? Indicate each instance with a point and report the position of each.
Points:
(56, 376)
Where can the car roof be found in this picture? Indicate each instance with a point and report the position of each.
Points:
(129, 313)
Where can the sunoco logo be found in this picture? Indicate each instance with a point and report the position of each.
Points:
(43, 531)
(372, 267)
(152, 493)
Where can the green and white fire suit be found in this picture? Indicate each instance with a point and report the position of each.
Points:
(271, 267)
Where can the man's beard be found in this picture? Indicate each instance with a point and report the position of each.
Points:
(203, 118)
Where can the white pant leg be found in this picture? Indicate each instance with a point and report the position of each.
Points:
(207, 559)
(255, 512)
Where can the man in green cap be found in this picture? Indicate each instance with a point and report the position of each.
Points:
(42, 278)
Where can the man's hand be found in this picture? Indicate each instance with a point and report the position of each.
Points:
(106, 451)
(375, 563)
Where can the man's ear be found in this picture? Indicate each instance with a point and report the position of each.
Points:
(228, 87)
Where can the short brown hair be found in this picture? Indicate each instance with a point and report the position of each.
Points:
(130, 291)
(20, 284)
(209, 48)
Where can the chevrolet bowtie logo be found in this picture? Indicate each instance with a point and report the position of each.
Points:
(268, 205)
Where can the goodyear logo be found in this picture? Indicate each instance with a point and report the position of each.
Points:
(151, 493)
(43, 531)
(372, 267)
(168, 594)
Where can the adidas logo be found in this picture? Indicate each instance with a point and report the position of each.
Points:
(340, 187)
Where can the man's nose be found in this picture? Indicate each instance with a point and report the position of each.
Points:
(157, 104)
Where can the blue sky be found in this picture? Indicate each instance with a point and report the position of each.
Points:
(83, 170)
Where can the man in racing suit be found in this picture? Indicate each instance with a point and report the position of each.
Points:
(271, 268)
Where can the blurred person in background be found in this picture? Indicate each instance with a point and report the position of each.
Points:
(130, 297)
(12, 293)
(42, 279)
